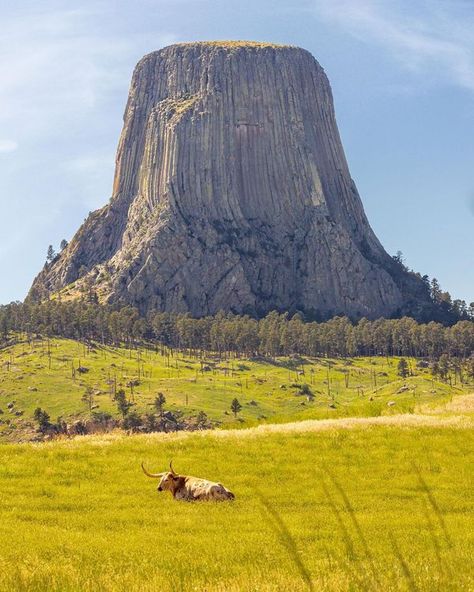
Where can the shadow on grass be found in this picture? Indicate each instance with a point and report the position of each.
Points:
(291, 364)
(407, 575)
(350, 510)
(360, 576)
(280, 528)
(433, 503)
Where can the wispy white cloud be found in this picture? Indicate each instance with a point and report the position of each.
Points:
(8, 145)
(64, 75)
(433, 37)
(58, 63)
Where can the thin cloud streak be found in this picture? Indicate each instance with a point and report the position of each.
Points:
(59, 64)
(61, 69)
(437, 41)
(8, 146)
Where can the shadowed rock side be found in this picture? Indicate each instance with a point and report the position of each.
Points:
(232, 192)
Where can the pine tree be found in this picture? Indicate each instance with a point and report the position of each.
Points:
(202, 421)
(132, 421)
(402, 368)
(435, 291)
(235, 407)
(443, 366)
(43, 419)
(150, 422)
(50, 254)
(122, 404)
(159, 403)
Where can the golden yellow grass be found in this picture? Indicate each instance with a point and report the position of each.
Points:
(363, 504)
(321, 425)
(459, 404)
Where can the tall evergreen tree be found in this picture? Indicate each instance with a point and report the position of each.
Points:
(235, 407)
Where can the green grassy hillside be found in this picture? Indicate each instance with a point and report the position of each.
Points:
(329, 506)
(46, 374)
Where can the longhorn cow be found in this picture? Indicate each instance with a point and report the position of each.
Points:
(186, 488)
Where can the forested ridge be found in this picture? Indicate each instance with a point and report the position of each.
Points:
(274, 335)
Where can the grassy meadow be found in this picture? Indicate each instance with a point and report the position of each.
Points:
(45, 374)
(352, 506)
(369, 488)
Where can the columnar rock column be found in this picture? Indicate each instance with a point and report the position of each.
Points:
(232, 192)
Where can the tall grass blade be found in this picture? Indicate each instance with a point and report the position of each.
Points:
(434, 504)
(434, 540)
(354, 520)
(346, 538)
(403, 564)
(342, 527)
(286, 538)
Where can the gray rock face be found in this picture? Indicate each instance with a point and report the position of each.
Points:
(232, 192)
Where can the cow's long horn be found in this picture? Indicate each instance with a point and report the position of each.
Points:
(153, 475)
(171, 467)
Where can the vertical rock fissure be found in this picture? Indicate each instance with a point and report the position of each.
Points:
(232, 192)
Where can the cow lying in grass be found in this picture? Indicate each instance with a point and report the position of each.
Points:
(190, 489)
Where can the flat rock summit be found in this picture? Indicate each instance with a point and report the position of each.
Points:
(232, 192)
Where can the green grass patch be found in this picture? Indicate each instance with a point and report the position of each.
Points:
(374, 508)
(45, 374)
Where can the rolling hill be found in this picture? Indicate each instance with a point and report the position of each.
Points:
(55, 374)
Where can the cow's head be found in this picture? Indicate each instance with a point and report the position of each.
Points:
(167, 479)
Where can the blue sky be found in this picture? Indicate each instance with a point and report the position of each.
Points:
(402, 74)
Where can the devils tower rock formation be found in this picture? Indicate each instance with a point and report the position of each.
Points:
(232, 192)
